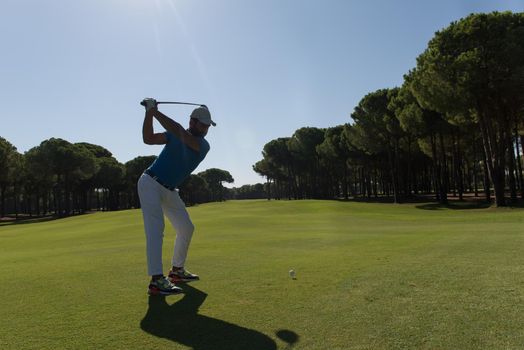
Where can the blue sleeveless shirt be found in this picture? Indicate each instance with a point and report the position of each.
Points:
(177, 160)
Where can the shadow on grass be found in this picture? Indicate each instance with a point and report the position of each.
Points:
(386, 199)
(181, 323)
(428, 202)
(455, 205)
(35, 219)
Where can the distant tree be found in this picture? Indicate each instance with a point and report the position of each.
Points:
(255, 191)
(474, 69)
(280, 167)
(22, 190)
(430, 129)
(214, 178)
(134, 169)
(365, 162)
(70, 164)
(96, 150)
(195, 190)
(8, 155)
(88, 185)
(303, 148)
(263, 168)
(381, 130)
(40, 175)
(110, 180)
(333, 157)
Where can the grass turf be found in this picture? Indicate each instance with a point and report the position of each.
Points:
(369, 276)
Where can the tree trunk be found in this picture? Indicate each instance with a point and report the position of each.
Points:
(375, 184)
(511, 171)
(345, 182)
(28, 204)
(15, 196)
(436, 169)
(97, 199)
(459, 168)
(519, 164)
(475, 180)
(444, 174)
(487, 182)
(409, 183)
(397, 169)
(494, 162)
(393, 177)
(2, 200)
(454, 167)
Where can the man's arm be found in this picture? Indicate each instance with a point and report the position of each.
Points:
(149, 137)
(178, 130)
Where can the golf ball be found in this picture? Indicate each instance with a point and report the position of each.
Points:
(292, 274)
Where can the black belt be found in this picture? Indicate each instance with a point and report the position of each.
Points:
(152, 174)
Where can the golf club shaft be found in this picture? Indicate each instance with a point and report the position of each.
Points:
(179, 103)
(143, 103)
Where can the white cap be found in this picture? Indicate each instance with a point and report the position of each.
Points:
(202, 114)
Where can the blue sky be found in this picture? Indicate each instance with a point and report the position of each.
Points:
(78, 69)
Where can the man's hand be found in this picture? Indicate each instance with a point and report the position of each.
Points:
(149, 103)
(148, 135)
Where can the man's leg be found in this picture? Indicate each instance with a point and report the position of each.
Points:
(150, 202)
(176, 212)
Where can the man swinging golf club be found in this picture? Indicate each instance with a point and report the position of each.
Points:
(183, 151)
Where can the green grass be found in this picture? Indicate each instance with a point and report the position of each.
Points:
(369, 276)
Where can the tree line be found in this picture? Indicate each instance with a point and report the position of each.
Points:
(62, 178)
(456, 125)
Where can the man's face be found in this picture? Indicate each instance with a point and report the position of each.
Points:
(197, 128)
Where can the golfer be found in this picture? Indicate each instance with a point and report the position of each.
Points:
(157, 189)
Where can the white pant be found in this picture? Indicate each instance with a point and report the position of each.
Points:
(156, 200)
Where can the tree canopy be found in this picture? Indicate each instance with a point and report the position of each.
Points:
(455, 124)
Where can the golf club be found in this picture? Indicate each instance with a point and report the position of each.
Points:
(177, 103)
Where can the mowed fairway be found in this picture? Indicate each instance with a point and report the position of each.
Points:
(369, 276)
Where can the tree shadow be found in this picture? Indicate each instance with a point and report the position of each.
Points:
(24, 219)
(387, 199)
(455, 205)
(181, 323)
(428, 202)
(7, 221)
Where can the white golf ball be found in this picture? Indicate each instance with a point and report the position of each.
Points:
(292, 274)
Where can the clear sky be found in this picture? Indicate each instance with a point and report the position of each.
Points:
(78, 69)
